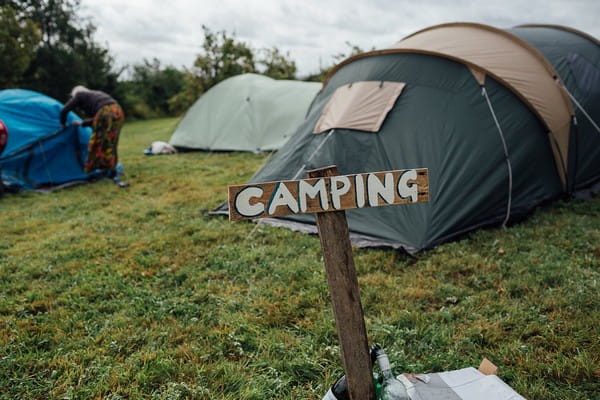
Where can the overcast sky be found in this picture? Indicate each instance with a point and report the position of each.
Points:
(312, 31)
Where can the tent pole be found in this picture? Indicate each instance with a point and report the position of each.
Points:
(509, 167)
(312, 155)
(579, 106)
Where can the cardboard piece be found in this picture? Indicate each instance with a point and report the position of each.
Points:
(487, 367)
(463, 384)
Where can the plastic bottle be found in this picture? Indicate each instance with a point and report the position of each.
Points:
(339, 390)
(391, 388)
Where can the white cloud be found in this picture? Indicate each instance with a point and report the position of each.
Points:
(312, 31)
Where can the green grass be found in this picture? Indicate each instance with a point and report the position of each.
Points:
(135, 294)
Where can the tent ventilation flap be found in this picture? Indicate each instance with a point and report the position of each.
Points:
(359, 105)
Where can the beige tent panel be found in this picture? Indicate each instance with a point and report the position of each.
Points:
(359, 105)
(479, 74)
(562, 28)
(516, 62)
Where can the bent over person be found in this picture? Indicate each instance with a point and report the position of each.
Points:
(106, 121)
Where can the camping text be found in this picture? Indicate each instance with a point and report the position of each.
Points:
(271, 199)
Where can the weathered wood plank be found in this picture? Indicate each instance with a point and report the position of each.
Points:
(326, 194)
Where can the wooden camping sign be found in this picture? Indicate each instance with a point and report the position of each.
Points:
(326, 194)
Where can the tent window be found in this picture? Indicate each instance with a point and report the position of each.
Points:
(360, 105)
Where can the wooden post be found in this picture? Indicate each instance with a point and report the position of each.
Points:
(345, 297)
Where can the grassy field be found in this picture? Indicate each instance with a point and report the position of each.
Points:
(135, 294)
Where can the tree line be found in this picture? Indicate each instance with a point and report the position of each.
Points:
(46, 46)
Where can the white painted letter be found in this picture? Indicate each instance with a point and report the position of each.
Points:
(242, 202)
(376, 188)
(404, 190)
(337, 192)
(282, 197)
(305, 190)
(359, 184)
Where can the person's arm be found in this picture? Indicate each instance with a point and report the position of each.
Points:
(69, 105)
(87, 122)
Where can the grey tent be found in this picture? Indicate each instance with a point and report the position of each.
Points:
(247, 112)
(492, 127)
(576, 57)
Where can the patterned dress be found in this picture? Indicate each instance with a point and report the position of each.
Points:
(102, 148)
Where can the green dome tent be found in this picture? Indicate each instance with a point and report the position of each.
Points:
(576, 57)
(247, 112)
(492, 127)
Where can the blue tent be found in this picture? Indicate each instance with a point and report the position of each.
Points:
(39, 154)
